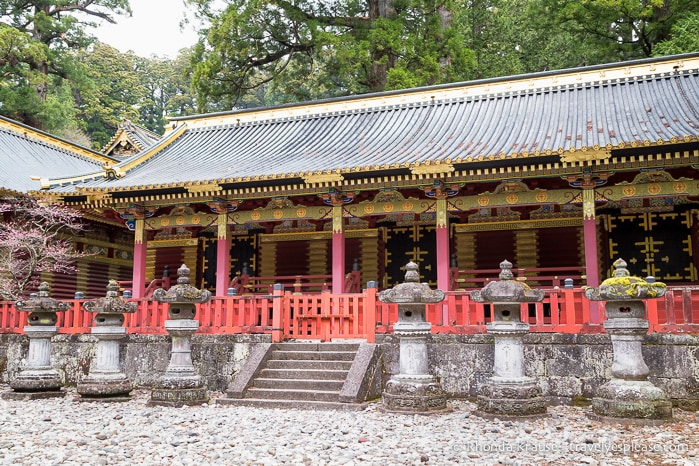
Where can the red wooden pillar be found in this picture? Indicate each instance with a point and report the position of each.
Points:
(442, 234)
(140, 248)
(223, 262)
(590, 241)
(338, 247)
(443, 254)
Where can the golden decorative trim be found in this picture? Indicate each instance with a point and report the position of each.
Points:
(199, 188)
(316, 178)
(172, 243)
(337, 219)
(442, 220)
(111, 261)
(432, 169)
(315, 235)
(518, 225)
(139, 236)
(583, 155)
(588, 195)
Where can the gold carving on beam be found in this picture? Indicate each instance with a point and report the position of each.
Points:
(337, 219)
(172, 243)
(222, 231)
(441, 216)
(323, 178)
(204, 188)
(585, 156)
(432, 169)
(100, 196)
(518, 225)
(588, 203)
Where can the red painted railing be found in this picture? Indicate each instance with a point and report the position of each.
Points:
(246, 284)
(360, 315)
(535, 276)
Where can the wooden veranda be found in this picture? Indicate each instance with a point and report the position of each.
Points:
(326, 316)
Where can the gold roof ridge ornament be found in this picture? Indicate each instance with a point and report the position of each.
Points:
(316, 178)
(199, 187)
(432, 169)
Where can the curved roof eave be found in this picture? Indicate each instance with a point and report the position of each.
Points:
(279, 143)
(119, 168)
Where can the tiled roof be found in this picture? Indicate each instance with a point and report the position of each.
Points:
(26, 153)
(130, 134)
(580, 113)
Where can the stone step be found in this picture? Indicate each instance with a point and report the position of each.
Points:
(309, 346)
(291, 404)
(314, 355)
(280, 394)
(299, 384)
(308, 364)
(305, 374)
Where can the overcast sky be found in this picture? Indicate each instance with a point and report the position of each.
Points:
(154, 29)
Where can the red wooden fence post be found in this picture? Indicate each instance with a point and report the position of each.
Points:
(277, 310)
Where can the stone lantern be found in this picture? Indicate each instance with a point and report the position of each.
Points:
(628, 394)
(37, 379)
(180, 385)
(106, 381)
(413, 389)
(509, 392)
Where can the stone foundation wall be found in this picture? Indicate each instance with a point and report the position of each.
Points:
(569, 368)
(144, 357)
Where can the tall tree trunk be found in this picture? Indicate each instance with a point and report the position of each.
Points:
(381, 60)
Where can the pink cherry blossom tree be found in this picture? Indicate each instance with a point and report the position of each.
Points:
(35, 238)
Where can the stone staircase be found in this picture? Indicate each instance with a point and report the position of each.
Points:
(300, 375)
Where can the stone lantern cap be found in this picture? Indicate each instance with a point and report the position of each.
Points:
(622, 286)
(112, 303)
(42, 302)
(411, 291)
(507, 289)
(183, 292)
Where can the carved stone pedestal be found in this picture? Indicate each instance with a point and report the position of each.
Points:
(509, 392)
(180, 385)
(403, 394)
(413, 390)
(37, 379)
(106, 381)
(628, 395)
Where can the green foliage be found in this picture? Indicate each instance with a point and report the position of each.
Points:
(684, 37)
(41, 35)
(308, 50)
(255, 53)
(621, 29)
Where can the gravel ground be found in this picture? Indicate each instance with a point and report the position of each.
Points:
(62, 431)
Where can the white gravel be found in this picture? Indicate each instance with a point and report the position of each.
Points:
(63, 431)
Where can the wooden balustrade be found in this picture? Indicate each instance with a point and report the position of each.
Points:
(544, 277)
(325, 316)
(153, 285)
(246, 284)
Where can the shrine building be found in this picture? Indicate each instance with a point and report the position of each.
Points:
(559, 172)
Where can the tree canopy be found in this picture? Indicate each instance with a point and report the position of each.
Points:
(253, 53)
